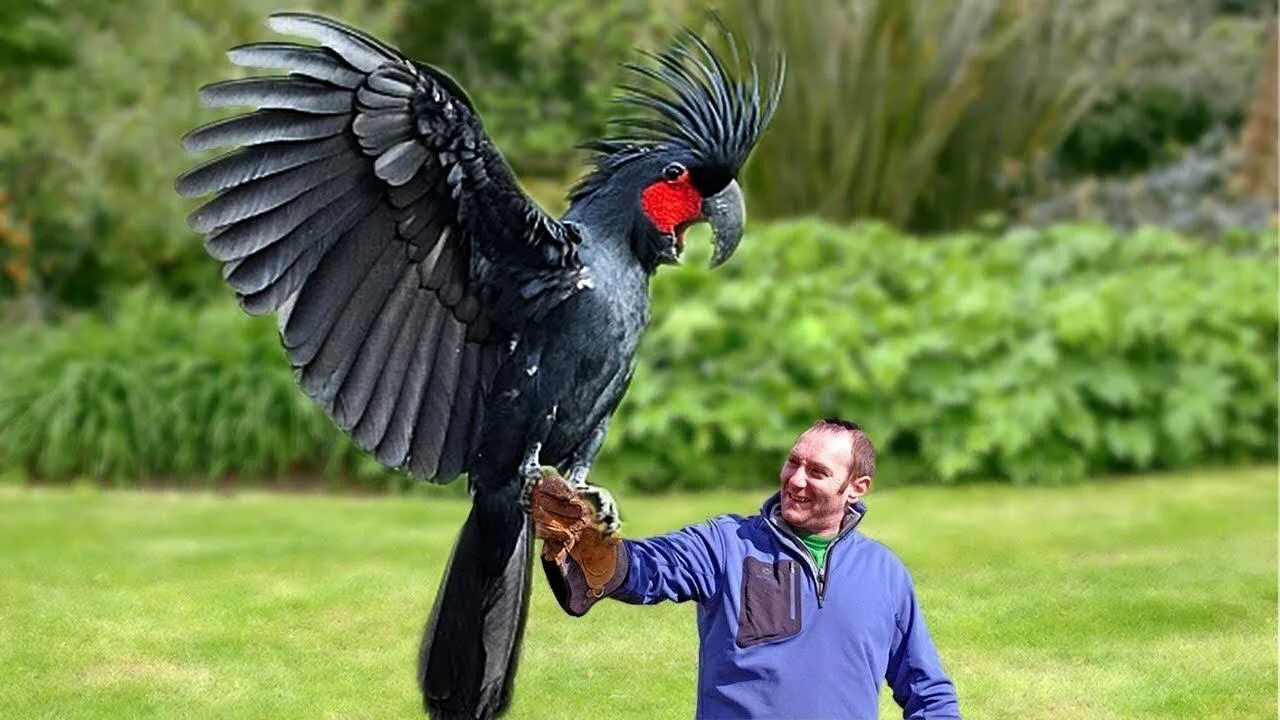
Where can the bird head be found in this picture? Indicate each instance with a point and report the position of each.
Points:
(675, 162)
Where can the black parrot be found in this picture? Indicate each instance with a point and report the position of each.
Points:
(435, 312)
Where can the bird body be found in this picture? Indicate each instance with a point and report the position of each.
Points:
(433, 310)
(576, 361)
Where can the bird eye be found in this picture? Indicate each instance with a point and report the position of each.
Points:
(672, 172)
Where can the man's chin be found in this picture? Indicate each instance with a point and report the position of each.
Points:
(792, 514)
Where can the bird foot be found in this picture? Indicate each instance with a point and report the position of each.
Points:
(606, 508)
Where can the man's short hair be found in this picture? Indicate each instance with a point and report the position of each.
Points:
(864, 455)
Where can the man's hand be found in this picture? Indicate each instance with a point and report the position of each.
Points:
(582, 561)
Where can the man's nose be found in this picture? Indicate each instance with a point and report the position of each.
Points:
(798, 478)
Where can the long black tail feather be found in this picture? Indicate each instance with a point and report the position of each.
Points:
(471, 645)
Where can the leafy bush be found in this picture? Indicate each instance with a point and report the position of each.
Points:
(923, 114)
(160, 391)
(1039, 356)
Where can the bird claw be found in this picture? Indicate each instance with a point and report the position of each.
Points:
(606, 507)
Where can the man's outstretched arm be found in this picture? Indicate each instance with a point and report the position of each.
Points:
(678, 566)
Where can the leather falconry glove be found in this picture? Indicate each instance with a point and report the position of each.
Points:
(581, 561)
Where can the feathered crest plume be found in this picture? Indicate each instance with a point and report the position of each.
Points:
(697, 103)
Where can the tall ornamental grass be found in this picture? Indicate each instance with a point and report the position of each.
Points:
(923, 114)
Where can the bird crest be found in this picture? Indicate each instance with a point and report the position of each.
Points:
(688, 98)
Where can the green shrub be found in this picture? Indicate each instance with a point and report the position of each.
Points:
(1038, 357)
(1041, 356)
(165, 391)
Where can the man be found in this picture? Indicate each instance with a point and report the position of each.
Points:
(799, 614)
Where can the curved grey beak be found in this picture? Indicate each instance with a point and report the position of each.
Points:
(725, 211)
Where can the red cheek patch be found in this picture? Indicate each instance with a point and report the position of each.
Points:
(669, 204)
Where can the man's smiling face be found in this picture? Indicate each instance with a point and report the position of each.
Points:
(817, 481)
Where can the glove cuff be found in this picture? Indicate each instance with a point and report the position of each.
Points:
(569, 584)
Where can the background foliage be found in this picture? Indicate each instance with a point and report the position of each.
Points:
(90, 148)
(923, 114)
(1038, 356)
(1032, 355)
(29, 36)
(1188, 67)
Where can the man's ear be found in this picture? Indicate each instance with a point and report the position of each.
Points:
(858, 487)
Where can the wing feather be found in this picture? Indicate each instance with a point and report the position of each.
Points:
(330, 286)
(300, 252)
(437, 405)
(393, 449)
(253, 233)
(239, 167)
(318, 63)
(358, 387)
(322, 377)
(453, 452)
(264, 126)
(257, 197)
(372, 425)
(281, 93)
(361, 51)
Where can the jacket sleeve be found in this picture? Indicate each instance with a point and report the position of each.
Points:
(915, 671)
(682, 565)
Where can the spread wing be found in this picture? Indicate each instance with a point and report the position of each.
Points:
(366, 204)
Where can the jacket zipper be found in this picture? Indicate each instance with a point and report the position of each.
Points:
(822, 573)
(819, 575)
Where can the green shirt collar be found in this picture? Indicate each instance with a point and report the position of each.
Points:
(817, 544)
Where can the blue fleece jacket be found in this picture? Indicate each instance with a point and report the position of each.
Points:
(781, 638)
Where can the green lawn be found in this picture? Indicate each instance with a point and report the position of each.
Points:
(1148, 597)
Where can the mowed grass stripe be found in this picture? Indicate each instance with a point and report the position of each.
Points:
(1150, 597)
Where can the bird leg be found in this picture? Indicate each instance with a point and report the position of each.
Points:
(606, 508)
(530, 474)
(578, 476)
(531, 470)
